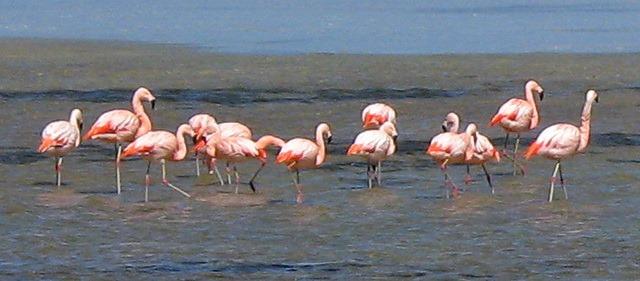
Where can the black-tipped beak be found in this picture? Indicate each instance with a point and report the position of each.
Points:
(541, 95)
(81, 125)
(153, 104)
(444, 128)
(329, 139)
(597, 99)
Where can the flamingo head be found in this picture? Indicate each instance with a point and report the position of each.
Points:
(534, 87)
(451, 123)
(592, 95)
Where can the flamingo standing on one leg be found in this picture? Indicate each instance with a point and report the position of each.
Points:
(160, 145)
(518, 116)
(204, 125)
(238, 149)
(375, 145)
(120, 126)
(562, 140)
(376, 114)
(483, 149)
(59, 138)
(452, 148)
(300, 153)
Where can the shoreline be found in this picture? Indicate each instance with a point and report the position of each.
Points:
(32, 65)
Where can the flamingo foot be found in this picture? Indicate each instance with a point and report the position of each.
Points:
(299, 198)
(455, 191)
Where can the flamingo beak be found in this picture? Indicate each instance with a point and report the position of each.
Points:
(444, 128)
(329, 139)
(153, 104)
(80, 126)
(541, 94)
(596, 98)
(395, 141)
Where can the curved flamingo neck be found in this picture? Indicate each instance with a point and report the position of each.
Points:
(75, 120)
(585, 126)
(320, 131)
(535, 118)
(269, 140)
(181, 152)
(138, 109)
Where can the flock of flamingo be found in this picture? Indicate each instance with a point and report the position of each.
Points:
(232, 142)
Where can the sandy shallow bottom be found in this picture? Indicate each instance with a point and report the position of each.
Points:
(343, 230)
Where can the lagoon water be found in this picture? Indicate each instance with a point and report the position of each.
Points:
(405, 229)
(363, 27)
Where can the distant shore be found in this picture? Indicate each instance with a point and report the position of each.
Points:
(28, 65)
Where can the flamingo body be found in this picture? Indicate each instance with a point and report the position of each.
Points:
(374, 115)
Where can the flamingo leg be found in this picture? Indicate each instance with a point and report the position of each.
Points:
(520, 166)
(118, 153)
(228, 173)
(58, 168)
(515, 155)
(506, 140)
(215, 169)
(147, 182)
(566, 195)
(254, 177)
(197, 164)
(467, 177)
(369, 176)
(553, 180)
(296, 182)
(235, 171)
(448, 182)
(167, 183)
(379, 173)
(486, 173)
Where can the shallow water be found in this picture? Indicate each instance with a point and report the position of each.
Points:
(343, 230)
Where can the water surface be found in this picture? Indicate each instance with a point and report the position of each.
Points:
(403, 230)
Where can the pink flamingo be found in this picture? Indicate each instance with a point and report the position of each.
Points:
(59, 138)
(518, 116)
(563, 140)
(376, 114)
(204, 125)
(162, 146)
(452, 148)
(239, 149)
(300, 153)
(483, 149)
(374, 146)
(120, 126)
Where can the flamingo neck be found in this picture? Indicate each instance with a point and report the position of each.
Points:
(181, 152)
(585, 127)
(320, 143)
(138, 109)
(75, 121)
(535, 118)
(269, 140)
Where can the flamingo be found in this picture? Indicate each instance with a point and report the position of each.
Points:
(162, 146)
(205, 125)
(376, 114)
(518, 116)
(375, 145)
(301, 153)
(119, 126)
(452, 148)
(61, 137)
(239, 149)
(483, 148)
(563, 140)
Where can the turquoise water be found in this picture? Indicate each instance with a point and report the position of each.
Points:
(372, 27)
